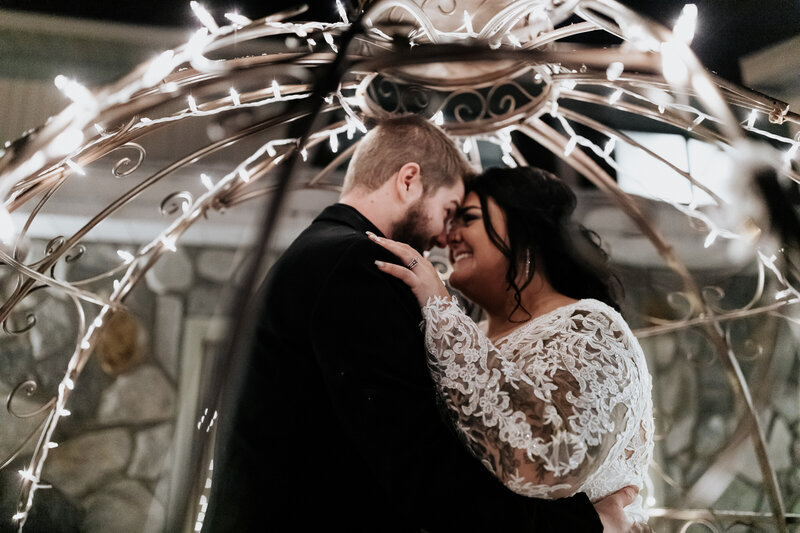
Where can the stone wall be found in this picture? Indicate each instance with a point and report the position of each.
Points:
(111, 469)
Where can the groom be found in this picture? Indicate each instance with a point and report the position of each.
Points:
(338, 428)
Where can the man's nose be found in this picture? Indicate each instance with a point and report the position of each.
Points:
(442, 239)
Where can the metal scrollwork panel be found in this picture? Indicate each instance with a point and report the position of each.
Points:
(723, 353)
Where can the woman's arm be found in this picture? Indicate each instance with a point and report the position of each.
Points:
(543, 420)
(541, 423)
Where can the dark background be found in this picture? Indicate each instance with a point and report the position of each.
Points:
(727, 29)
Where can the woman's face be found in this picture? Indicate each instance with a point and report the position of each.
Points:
(478, 265)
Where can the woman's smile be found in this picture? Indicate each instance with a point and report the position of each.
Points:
(458, 256)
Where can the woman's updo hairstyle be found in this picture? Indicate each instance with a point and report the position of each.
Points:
(538, 206)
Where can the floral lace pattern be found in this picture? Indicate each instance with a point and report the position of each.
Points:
(561, 405)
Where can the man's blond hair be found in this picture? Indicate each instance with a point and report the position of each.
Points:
(400, 140)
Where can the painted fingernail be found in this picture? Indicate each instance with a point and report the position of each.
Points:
(379, 263)
(372, 236)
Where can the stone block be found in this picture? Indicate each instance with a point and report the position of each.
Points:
(55, 329)
(216, 265)
(172, 273)
(82, 464)
(204, 300)
(150, 452)
(144, 395)
(125, 506)
(167, 333)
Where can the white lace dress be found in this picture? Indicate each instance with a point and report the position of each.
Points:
(559, 406)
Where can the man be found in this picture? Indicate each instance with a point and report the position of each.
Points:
(339, 428)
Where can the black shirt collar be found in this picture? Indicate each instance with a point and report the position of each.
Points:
(350, 216)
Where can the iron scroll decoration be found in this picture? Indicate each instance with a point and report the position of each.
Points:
(502, 78)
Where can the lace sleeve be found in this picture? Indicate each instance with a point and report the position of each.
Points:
(544, 411)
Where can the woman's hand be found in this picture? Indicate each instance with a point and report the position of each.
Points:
(419, 274)
(612, 512)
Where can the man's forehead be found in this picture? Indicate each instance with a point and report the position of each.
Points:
(455, 200)
(457, 193)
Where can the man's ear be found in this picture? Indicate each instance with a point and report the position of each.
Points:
(408, 183)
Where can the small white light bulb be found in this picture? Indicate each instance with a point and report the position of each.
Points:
(712, 236)
(169, 243)
(66, 142)
(206, 181)
(329, 39)
(342, 12)
(75, 167)
(673, 66)
(159, 68)
(686, 24)
(468, 23)
(239, 20)
(76, 92)
(197, 42)
(204, 16)
(235, 97)
(126, 256)
(615, 70)
(27, 474)
(751, 120)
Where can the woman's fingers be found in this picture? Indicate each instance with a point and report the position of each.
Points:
(403, 251)
(418, 273)
(400, 272)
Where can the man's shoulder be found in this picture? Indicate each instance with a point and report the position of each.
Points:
(325, 252)
(327, 240)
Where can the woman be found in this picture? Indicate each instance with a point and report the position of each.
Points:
(552, 393)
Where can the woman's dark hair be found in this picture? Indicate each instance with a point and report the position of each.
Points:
(537, 206)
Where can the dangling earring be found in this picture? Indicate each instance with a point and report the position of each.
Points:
(527, 262)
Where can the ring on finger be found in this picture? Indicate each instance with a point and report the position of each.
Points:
(414, 262)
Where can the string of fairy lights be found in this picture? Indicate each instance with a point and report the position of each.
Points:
(68, 152)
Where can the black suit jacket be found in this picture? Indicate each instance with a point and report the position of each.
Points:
(338, 428)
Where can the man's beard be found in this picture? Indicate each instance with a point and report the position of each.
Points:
(412, 228)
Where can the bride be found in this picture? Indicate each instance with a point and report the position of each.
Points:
(552, 391)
